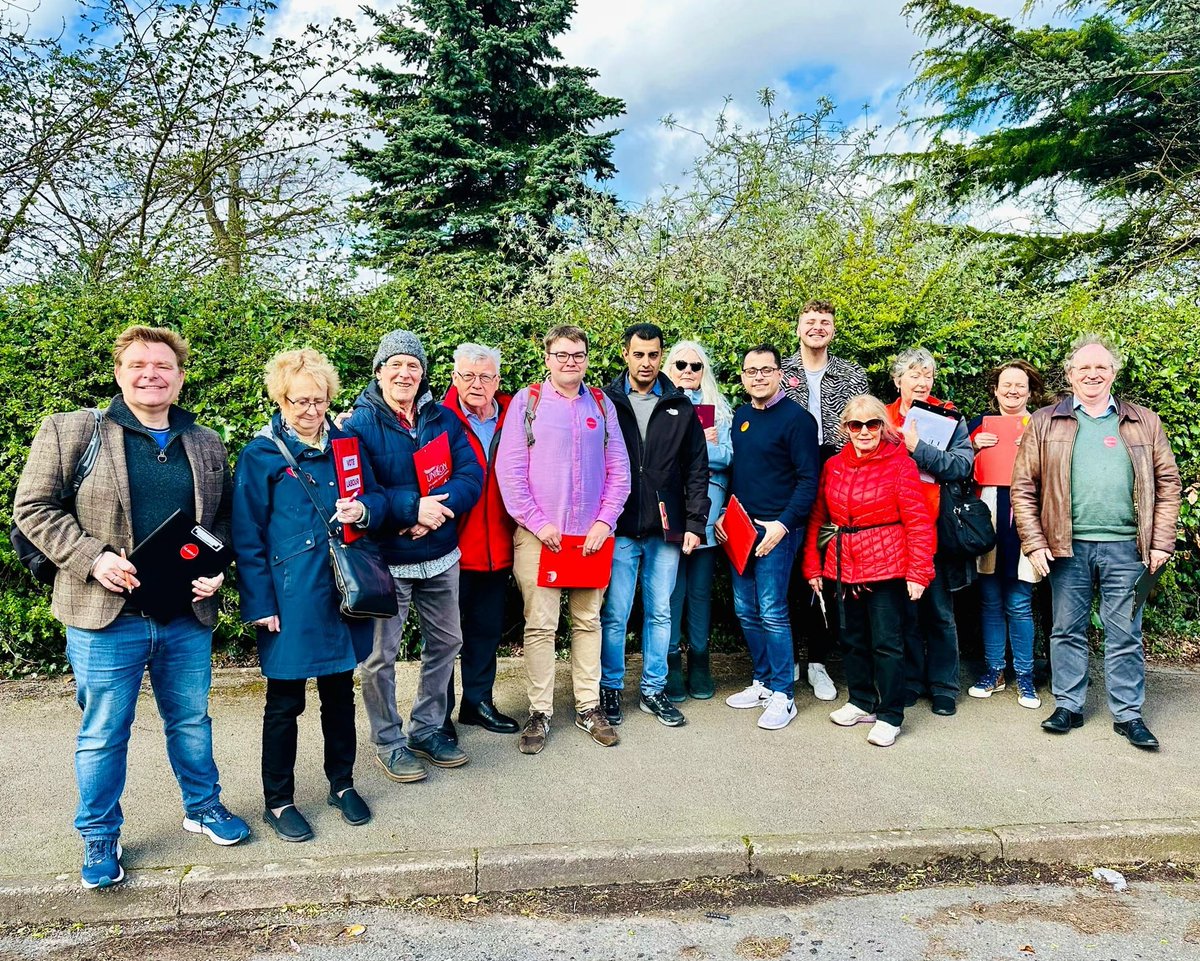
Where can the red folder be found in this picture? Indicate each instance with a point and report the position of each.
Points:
(569, 568)
(433, 463)
(994, 465)
(707, 414)
(348, 464)
(740, 534)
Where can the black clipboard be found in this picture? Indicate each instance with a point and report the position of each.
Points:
(1145, 583)
(177, 552)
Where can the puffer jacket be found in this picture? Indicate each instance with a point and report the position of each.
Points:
(882, 489)
(1041, 486)
(391, 448)
(485, 532)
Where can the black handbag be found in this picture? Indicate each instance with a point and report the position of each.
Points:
(31, 557)
(361, 576)
(964, 527)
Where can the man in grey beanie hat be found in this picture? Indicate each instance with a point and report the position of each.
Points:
(400, 342)
(393, 418)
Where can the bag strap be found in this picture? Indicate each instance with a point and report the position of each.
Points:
(535, 398)
(291, 461)
(87, 460)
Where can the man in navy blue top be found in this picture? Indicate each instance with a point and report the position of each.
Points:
(776, 464)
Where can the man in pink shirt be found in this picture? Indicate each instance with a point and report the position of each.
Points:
(563, 470)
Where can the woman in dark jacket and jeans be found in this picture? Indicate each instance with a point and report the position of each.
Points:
(286, 584)
(881, 559)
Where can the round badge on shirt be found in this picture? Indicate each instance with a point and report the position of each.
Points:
(591, 423)
(1110, 442)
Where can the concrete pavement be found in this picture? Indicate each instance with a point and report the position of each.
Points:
(718, 796)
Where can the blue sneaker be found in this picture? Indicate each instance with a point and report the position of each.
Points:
(1027, 695)
(989, 683)
(101, 863)
(220, 826)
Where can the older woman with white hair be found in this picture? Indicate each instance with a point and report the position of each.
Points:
(690, 369)
(931, 637)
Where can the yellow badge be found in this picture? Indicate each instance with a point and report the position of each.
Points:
(745, 426)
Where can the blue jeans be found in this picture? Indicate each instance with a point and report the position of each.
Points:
(1115, 565)
(1006, 614)
(693, 587)
(657, 562)
(760, 601)
(108, 665)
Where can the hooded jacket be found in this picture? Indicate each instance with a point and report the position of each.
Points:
(485, 532)
(882, 493)
(390, 448)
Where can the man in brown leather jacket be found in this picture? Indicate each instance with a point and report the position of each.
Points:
(1095, 497)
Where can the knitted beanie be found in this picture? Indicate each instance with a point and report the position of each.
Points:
(400, 342)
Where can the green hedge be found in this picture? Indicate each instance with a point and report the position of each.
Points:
(54, 343)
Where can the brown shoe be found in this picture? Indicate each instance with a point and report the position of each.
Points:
(534, 734)
(596, 724)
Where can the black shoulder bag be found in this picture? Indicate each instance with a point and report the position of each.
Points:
(964, 527)
(361, 576)
(32, 559)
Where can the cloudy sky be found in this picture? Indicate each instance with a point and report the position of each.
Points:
(684, 57)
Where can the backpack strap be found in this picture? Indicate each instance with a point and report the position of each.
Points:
(535, 398)
(87, 460)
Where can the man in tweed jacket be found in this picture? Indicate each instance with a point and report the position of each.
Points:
(154, 459)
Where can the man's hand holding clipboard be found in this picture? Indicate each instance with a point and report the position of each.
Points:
(433, 466)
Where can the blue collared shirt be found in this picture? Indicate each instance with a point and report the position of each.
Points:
(483, 427)
(1076, 403)
(656, 389)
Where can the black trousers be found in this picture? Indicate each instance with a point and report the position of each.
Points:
(873, 648)
(481, 597)
(819, 634)
(931, 640)
(285, 703)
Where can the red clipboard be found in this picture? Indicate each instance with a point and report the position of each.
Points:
(740, 534)
(994, 465)
(569, 568)
(707, 413)
(433, 463)
(347, 461)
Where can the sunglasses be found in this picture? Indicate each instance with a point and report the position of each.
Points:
(696, 366)
(873, 425)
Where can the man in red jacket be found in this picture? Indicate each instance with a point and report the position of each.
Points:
(485, 537)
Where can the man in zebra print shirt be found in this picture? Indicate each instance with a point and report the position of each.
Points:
(822, 384)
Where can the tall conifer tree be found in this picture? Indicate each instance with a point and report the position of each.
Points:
(485, 126)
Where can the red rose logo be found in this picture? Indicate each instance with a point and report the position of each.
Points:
(591, 423)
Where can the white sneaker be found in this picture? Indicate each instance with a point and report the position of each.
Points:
(778, 713)
(821, 683)
(883, 734)
(848, 715)
(754, 696)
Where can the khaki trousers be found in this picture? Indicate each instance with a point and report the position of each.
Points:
(541, 625)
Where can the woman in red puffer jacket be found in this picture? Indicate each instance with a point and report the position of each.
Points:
(881, 558)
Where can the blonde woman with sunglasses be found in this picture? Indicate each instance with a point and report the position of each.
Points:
(872, 536)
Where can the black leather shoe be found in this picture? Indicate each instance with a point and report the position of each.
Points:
(438, 750)
(1137, 733)
(911, 698)
(1061, 721)
(487, 717)
(289, 825)
(448, 732)
(354, 809)
(943, 705)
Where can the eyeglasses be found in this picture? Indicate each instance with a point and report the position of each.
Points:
(873, 425)
(696, 366)
(484, 379)
(753, 372)
(562, 356)
(304, 403)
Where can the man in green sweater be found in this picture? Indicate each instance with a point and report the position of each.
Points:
(1095, 497)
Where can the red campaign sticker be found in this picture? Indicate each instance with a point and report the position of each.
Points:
(1110, 442)
(793, 381)
(290, 472)
(591, 422)
(189, 552)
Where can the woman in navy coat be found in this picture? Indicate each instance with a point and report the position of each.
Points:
(286, 584)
